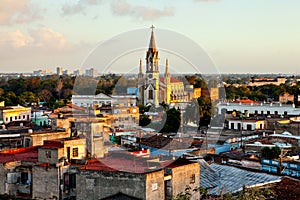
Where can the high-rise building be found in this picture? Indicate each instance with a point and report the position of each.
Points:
(91, 72)
(59, 71)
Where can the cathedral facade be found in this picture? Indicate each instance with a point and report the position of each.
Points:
(153, 89)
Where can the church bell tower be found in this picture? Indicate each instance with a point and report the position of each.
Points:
(151, 93)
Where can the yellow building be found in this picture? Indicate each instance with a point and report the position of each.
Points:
(214, 94)
(70, 148)
(14, 113)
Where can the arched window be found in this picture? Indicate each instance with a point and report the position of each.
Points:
(150, 95)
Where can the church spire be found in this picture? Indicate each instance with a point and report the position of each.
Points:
(152, 44)
(141, 71)
(167, 66)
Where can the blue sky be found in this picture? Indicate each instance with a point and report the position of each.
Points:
(240, 36)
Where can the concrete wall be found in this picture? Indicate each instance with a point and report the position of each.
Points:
(53, 159)
(93, 132)
(155, 188)
(3, 172)
(38, 138)
(181, 177)
(45, 183)
(77, 143)
(92, 185)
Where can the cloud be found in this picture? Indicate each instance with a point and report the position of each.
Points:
(41, 38)
(19, 11)
(123, 8)
(79, 7)
(38, 48)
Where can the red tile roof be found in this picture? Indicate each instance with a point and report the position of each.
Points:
(29, 154)
(172, 80)
(53, 144)
(75, 107)
(246, 101)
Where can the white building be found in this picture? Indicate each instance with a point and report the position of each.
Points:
(247, 124)
(259, 109)
(104, 100)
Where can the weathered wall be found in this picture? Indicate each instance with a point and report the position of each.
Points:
(3, 173)
(92, 185)
(155, 188)
(38, 138)
(181, 177)
(55, 155)
(45, 183)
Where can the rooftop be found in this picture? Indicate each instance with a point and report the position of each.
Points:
(231, 179)
(29, 154)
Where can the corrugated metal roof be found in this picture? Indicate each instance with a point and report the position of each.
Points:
(217, 177)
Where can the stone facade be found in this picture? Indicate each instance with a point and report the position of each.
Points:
(186, 175)
(45, 182)
(92, 185)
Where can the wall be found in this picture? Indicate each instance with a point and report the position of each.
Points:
(155, 188)
(3, 172)
(38, 138)
(92, 185)
(53, 159)
(45, 183)
(16, 113)
(181, 176)
(75, 143)
(93, 132)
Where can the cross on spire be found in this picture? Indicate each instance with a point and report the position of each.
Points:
(152, 44)
(152, 27)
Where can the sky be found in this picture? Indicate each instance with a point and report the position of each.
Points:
(239, 36)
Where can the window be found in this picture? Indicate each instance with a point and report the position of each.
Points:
(193, 178)
(16, 117)
(69, 181)
(24, 178)
(75, 152)
(48, 154)
(150, 95)
(232, 126)
(249, 127)
(154, 186)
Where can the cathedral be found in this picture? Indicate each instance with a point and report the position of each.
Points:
(153, 89)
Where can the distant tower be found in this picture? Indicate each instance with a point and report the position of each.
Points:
(167, 80)
(141, 83)
(59, 71)
(151, 92)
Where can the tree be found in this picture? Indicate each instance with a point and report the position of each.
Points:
(28, 97)
(144, 120)
(172, 122)
(10, 98)
(204, 110)
(270, 153)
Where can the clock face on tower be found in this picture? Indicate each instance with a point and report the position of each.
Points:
(150, 76)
